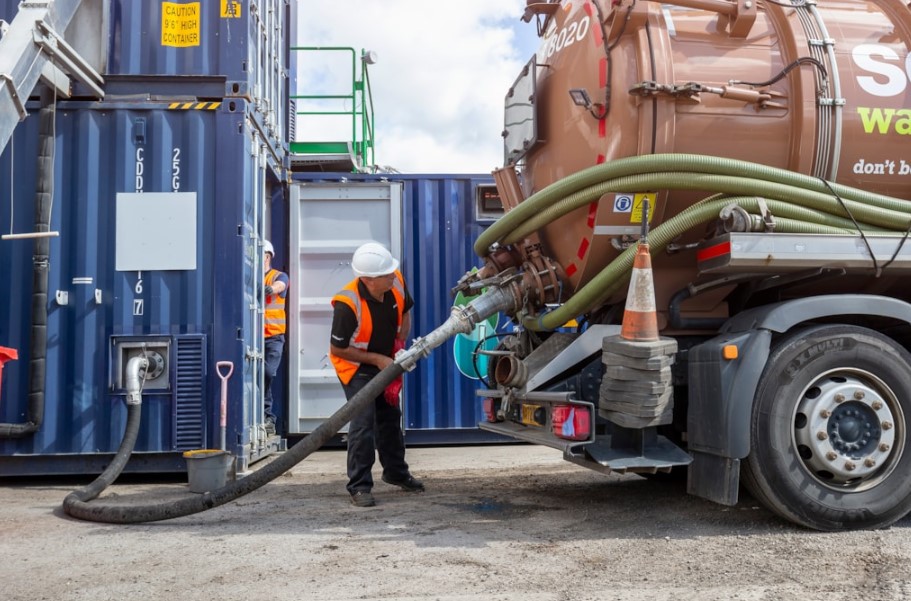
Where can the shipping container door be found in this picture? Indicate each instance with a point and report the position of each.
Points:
(328, 222)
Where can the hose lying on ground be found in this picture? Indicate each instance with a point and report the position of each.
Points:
(77, 503)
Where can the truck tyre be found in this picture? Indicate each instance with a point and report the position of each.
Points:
(829, 430)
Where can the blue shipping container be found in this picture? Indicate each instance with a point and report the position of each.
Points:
(188, 51)
(159, 220)
(439, 218)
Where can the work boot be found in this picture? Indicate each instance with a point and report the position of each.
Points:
(409, 484)
(270, 428)
(362, 498)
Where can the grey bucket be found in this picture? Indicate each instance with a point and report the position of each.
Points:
(209, 469)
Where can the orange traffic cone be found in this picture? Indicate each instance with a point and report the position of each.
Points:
(640, 320)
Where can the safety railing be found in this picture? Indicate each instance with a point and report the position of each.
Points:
(355, 104)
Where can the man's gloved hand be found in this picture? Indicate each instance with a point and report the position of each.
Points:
(268, 290)
(391, 394)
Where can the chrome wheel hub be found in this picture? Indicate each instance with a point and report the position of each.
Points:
(845, 429)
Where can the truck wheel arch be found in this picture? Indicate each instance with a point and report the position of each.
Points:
(722, 392)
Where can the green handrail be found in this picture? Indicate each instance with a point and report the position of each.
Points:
(361, 144)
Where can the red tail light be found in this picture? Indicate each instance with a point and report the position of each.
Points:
(490, 409)
(571, 422)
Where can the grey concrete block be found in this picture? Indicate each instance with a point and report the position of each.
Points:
(647, 363)
(642, 386)
(635, 398)
(621, 346)
(619, 372)
(631, 421)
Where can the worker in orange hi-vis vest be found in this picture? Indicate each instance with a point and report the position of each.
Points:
(370, 322)
(275, 288)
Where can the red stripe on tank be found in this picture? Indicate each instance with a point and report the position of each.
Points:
(583, 248)
(570, 270)
(596, 30)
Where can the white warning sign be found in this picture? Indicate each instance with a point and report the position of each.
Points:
(623, 203)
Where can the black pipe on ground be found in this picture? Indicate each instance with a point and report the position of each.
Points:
(77, 505)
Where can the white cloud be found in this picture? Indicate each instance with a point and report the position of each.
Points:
(439, 81)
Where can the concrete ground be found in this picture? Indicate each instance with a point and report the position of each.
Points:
(497, 523)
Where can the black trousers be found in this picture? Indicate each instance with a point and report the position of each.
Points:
(273, 358)
(377, 428)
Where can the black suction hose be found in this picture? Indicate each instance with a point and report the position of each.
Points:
(107, 477)
(76, 503)
(461, 320)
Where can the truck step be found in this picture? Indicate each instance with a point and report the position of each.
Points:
(656, 455)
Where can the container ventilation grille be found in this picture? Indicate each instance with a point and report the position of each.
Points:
(189, 401)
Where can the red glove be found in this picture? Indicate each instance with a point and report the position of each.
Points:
(391, 394)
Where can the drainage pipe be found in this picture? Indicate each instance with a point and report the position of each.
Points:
(44, 197)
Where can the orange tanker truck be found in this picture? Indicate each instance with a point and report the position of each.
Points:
(759, 153)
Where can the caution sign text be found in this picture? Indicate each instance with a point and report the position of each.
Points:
(180, 24)
(638, 201)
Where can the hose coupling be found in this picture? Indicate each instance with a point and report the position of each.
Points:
(136, 368)
(462, 320)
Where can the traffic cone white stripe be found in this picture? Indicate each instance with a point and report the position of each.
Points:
(641, 296)
(640, 319)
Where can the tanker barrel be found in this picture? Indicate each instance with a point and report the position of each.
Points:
(750, 105)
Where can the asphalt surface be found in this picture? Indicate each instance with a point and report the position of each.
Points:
(500, 523)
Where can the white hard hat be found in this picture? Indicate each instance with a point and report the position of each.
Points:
(267, 248)
(372, 260)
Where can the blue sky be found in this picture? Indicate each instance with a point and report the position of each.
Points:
(438, 83)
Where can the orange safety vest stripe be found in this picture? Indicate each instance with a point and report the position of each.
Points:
(275, 323)
(360, 338)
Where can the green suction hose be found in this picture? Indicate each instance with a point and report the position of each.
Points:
(800, 203)
(677, 164)
(612, 277)
(866, 214)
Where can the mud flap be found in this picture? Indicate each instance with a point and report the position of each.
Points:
(714, 478)
(720, 406)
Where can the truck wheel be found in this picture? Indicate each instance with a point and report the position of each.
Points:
(829, 432)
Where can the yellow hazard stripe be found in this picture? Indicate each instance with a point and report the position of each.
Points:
(195, 106)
